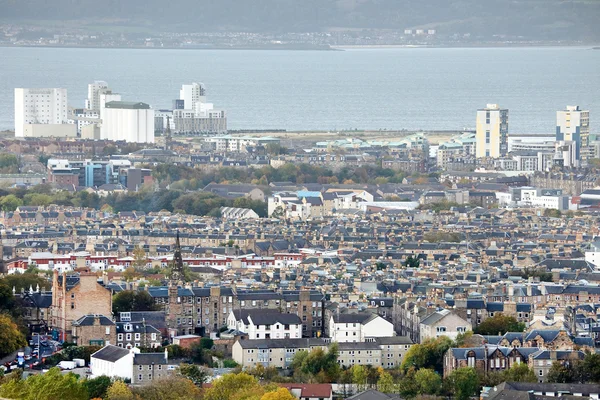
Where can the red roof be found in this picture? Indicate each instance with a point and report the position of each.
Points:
(321, 390)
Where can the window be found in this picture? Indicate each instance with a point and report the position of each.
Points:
(108, 330)
(150, 376)
(140, 377)
(140, 367)
(441, 329)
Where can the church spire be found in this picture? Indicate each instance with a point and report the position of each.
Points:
(177, 267)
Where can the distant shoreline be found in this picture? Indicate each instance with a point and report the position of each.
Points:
(253, 47)
(310, 47)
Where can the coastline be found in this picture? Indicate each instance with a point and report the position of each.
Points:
(310, 47)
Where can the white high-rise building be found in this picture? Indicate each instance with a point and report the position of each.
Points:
(132, 122)
(573, 124)
(491, 136)
(197, 115)
(39, 106)
(192, 94)
(94, 91)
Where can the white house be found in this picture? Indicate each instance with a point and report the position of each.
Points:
(593, 254)
(443, 323)
(139, 368)
(265, 324)
(113, 361)
(358, 327)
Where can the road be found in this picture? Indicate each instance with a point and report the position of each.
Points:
(46, 347)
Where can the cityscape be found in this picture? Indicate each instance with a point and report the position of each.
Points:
(350, 220)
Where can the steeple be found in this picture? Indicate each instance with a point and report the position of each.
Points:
(168, 138)
(177, 267)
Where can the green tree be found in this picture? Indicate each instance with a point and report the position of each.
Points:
(207, 343)
(499, 324)
(49, 386)
(11, 338)
(560, 373)
(428, 381)
(359, 377)
(519, 373)
(385, 383)
(133, 300)
(463, 383)
(429, 354)
(119, 391)
(317, 363)
(412, 262)
(25, 281)
(97, 387)
(10, 203)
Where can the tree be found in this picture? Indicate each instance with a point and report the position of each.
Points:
(228, 385)
(169, 388)
(463, 382)
(359, 377)
(385, 383)
(97, 387)
(11, 338)
(499, 324)
(279, 394)
(429, 354)
(428, 381)
(139, 258)
(519, 373)
(25, 281)
(10, 203)
(412, 262)
(49, 386)
(133, 300)
(207, 343)
(317, 363)
(119, 391)
(560, 373)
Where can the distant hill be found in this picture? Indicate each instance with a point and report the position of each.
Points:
(533, 19)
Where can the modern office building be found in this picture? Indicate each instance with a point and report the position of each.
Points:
(39, 106)
(573, 124)
(132, 122)
(491, 135)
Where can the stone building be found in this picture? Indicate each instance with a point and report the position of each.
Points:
(74, 296)
(93, 330)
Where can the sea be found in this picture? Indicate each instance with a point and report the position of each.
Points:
(383, 88)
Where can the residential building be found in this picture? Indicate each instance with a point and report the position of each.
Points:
(443, 323)
(93, 330)
(139, 368)
(357, 327)
(74, 296)
(39, 106)
(137, 334)
(491, 137)
(573, 124)
(265, 324)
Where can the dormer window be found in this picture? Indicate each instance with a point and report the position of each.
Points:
(128, 327)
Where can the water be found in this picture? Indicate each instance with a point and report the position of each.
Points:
(310, 90)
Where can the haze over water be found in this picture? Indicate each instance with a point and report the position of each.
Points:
(309, 90)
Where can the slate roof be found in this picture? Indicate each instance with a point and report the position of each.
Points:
(88, 320)
(149, 359)
(110, 353)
